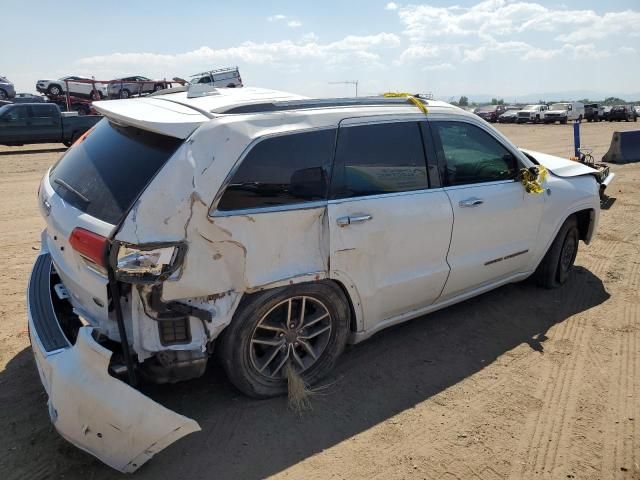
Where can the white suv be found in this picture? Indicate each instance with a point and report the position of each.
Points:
(532, 113)
(273, 229)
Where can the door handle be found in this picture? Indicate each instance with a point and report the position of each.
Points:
(344, 221)
(471, 202)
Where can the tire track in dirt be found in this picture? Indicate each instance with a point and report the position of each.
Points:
(546, 432)
(621, 451)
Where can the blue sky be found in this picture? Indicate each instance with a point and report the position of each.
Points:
(501, 47)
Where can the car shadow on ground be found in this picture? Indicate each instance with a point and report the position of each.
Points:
(26, 152)
(375, 380)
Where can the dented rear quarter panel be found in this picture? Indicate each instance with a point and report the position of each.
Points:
(231, 254)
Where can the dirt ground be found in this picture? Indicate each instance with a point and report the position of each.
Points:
(518, 383)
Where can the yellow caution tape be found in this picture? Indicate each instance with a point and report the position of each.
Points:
(533, 181)
(412, 99)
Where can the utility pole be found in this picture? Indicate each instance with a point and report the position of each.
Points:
(347, 82)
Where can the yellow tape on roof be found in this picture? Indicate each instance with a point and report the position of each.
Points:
(412, 99)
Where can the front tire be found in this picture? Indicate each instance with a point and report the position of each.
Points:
(305, 325)
(554, 269)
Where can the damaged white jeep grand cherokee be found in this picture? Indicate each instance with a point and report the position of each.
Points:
(272, 229)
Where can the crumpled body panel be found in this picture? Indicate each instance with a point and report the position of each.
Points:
(101, 414)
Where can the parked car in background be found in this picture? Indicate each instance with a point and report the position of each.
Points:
(623, 112)
(29, 98)
(78, 86)
(222, 77)
(510, 116)
(532, 113)
(593, 112)
(82, 106)
(7, 90)
(260, 252)
(490, 113)
(563, 112)
(605, 112)
(41, 123)
(134, 85)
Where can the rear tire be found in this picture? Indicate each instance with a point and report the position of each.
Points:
(124, 93)
(54, 90)
(251, 354)
(554, 269)
(3, 94)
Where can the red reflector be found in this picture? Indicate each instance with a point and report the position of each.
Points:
(90, 245)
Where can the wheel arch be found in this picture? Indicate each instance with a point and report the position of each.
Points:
(356, 323)
(586, 223)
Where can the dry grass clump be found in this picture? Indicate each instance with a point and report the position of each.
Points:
(299, 394)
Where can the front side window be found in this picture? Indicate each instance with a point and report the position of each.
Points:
(378, 159)
(16, 114)
(471, 155)
(283, 170)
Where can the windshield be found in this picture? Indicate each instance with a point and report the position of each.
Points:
(487, 108)
(103, 174)
(3, 79)
(559, 106)
(531, 107)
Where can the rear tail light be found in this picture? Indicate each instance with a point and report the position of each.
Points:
(91, 246)
(148, 263)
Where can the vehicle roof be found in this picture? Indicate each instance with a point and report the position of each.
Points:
(177, 114)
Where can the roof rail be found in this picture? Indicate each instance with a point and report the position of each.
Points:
(167, 91)
(217, 70)
(284, 105)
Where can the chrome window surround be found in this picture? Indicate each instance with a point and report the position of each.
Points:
(349, 122)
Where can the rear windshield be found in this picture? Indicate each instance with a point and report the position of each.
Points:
(103, 174)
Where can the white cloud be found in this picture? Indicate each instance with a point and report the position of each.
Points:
(499, 27)
(276, 18)
(437, 67)
(391, 6)
(290, 22)
(348, 50)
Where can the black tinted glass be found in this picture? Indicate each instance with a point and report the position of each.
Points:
(282, 170)
(103, 174)
(472, 155)
(381, 158)
(16, 113)
(43, 110)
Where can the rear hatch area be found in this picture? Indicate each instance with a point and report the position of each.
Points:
(84, 198)
(91, 189)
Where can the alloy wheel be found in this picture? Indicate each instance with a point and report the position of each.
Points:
(295, 331)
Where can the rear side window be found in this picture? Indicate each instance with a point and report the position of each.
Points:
(103, 174)
(282, 170)
(377, 159)
(43, 111)
(471, 155)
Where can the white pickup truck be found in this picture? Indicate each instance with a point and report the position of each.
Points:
(532, 113)
(562, 112)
